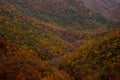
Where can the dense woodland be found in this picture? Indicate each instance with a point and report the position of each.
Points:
(57, 40)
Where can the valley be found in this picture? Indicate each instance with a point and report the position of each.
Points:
(57, 40)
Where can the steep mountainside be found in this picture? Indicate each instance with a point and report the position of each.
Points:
(47, 40)
(21, 64)
(57, 40)
(97, 59)
(109, 8)
(70, 13)
(24, 44)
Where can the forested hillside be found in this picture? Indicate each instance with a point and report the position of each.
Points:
(96, 59)
(70, 13)
(24, 45)
(57, 40)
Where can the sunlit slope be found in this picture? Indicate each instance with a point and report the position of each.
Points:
(21, 64)
(34, 35)
(24, 44)
(97, 59)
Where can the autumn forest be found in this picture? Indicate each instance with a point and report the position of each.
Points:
(59, 40)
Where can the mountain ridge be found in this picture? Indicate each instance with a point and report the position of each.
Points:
(109, 8)
(35, 45)
(73, 14)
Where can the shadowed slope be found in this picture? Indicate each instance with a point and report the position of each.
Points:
(67, 13)
(109, 8)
